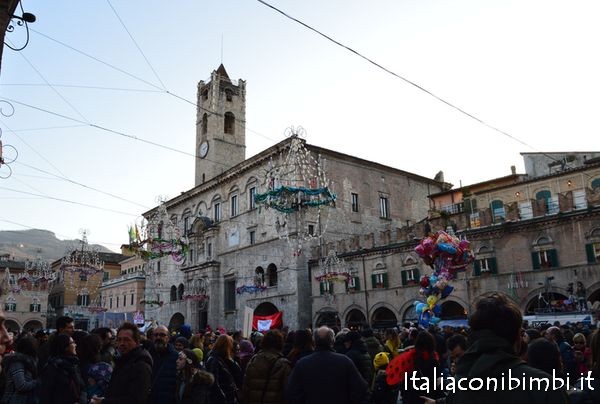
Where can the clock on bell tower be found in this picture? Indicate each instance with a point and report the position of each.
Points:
(220, 130)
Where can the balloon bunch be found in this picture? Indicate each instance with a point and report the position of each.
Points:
(446, 255)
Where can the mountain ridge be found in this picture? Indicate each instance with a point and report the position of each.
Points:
(31, 243)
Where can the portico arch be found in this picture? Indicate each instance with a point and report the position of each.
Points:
(540, 300)
(265, 309)
(383, 317)
(176, 321)
(355, 319)
(452, 310)
(327, 316)
(12, 325)
(33, 325)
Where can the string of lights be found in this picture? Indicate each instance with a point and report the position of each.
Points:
(63, 178)
(69, 201)
(237, 121)
(58, 93)
(88, 87)
(103, 128)
(32, 148)
(136, 44)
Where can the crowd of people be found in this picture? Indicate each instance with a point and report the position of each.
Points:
(325, 365)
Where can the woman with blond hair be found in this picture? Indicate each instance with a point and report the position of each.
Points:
(227, 373)
(583, 354)
(392, 342)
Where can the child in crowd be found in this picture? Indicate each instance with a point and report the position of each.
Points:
(98, 378)
(381, 392)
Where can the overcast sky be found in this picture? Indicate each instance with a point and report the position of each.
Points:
(527, 68)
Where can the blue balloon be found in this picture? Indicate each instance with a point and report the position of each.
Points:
(447, 290)
(419, 307)
(437, 309)
(433, 279)
(447, 248)
(424, 319)
(434, 320)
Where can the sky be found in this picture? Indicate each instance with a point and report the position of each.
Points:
(96, 75)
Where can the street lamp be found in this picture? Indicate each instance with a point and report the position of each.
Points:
(21, 20)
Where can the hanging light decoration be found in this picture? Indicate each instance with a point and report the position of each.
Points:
(198, 293)
(9, 283)
(333, 269)
(80, 262)
(297, 190)
(96, 306)
(158, 237)
(37, 277)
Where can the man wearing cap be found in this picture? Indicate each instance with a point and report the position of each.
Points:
(325, 377)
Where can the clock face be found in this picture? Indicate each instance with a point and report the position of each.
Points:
(203, 150)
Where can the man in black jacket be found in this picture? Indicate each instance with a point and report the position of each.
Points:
(131, 378)
(356, 349)
(325, 376)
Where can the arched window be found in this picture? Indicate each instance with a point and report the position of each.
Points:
(543, 195)
(180, 291)
(204, 124)
(173, 293)
(272, 274)
(551, 203)
(260, 276)
(229, 123)
(596, 183)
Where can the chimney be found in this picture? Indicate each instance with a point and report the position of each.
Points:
(513, 170)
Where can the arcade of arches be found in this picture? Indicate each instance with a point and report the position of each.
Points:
(265, 309)
(30, 325)
(383, 317)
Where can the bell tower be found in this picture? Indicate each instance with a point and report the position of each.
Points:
(220, 125)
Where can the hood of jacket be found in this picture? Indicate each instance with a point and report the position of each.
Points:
(489, 355)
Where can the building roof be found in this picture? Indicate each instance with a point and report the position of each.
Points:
(222, 72)
(264, 155)
(11, 264)
(485, 185)
(113, 258)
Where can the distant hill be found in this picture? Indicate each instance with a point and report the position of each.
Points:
(24, 244)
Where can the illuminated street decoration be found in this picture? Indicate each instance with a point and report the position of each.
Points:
(297, 190)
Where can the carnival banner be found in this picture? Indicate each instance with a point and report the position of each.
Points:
(266, 323)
